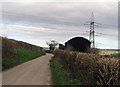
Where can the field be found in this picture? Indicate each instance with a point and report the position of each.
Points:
(88, 69)
(108, 52)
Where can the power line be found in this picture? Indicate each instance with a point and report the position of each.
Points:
(92, 31)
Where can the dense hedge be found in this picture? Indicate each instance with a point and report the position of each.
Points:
(93, 69)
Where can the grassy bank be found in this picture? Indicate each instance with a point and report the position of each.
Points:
(9, 47)
(60, 75)
(21, 55)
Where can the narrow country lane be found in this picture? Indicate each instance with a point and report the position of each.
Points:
(34, 72)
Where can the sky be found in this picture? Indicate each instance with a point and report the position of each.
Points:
(38, 22)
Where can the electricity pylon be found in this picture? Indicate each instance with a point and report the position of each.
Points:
(92, 31)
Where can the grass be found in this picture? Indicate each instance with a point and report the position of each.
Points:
(108, 52)
(60, 76)
(22, 55)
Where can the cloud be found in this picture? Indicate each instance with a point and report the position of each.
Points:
(55, 20)
(59, 13)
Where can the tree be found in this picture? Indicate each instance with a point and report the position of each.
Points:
(52, 44)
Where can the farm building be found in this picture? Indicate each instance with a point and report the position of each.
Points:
(78, 44)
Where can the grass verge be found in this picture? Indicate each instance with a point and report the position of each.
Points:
(60, 76)
(22, 55)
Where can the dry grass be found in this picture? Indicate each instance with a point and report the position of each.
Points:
(93, 69)
(108, 71)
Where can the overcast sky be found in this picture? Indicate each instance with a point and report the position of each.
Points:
(37, 22)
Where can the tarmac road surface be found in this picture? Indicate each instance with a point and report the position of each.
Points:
(33, 72)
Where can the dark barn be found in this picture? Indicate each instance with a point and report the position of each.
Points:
(78, 44)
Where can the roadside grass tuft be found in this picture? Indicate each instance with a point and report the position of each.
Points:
(22, 55)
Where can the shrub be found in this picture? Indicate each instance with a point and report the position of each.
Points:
(93, 50)
(61, 76)
(90, 67)
(108, 71)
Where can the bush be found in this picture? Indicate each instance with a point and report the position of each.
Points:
(60, 76)
(94, 50)
(108, 71)
(93, 69)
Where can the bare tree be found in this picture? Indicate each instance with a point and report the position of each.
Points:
(52, 44)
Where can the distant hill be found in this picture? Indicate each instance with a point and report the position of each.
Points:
(46, 48)
(111, 49)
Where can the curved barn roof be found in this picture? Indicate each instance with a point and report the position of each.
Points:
(78, 43)
(78, 39)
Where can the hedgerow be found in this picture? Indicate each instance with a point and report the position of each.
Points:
(93, 69)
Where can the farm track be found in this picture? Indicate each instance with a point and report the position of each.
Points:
(34, 72)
